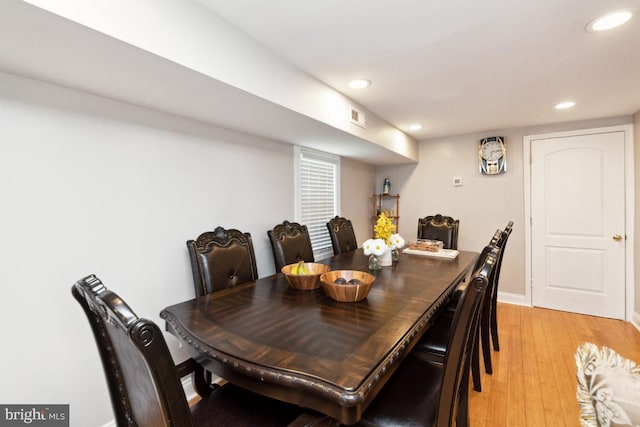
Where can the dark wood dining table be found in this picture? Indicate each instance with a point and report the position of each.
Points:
(305, 348)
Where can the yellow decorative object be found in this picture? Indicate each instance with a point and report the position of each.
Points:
(384, 247)
(384, 228)
(300, 268)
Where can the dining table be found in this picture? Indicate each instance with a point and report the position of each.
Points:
(302, 347)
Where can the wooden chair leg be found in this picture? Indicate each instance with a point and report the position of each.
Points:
(462, 418)
(485, 327)
(494, 322)
(202, 381)
(200, 377)
(475, 366)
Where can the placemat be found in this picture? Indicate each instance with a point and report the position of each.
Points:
(443, 253)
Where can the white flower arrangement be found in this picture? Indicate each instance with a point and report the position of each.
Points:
(385, 239)
(374, 246)
(378, 246)
(397, 241)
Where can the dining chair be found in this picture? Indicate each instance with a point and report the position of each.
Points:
(494, 297)
(343, 237)
(144, 384)
(439, 227)
(488, 327)
(433, 344)
(424, 393)
(221, 259)
(290, 243)
(453, 302)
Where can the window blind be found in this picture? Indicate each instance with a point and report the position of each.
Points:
(317, 194)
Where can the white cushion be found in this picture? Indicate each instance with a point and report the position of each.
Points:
(608, 388)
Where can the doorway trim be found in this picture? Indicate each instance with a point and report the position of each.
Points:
(629, 205)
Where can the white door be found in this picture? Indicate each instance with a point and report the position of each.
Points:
(578, 224)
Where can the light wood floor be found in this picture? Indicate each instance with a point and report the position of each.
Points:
(534, 374)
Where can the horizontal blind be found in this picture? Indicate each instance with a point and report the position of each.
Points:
(317, 193)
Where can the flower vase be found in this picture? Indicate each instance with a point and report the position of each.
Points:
(374, 264)
(385, 259)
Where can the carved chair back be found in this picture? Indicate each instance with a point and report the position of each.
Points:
(290, 243)
(504, 236)
(496, 241)
(343, 237)
(502, 243)
(142, 379)
(439, 227)
(221, 259)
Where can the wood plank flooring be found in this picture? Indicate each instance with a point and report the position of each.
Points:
(534, 373)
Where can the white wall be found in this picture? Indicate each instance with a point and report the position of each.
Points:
(189, 34)
(89, 185)
(636, 141)
(358, 183)
(484, 203)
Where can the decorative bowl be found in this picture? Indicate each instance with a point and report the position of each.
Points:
(305, 282)
(347, 292)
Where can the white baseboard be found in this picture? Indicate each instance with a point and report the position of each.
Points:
(517, 299)
(111, 423)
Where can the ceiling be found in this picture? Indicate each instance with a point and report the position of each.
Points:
(458, 66)
(75, 46)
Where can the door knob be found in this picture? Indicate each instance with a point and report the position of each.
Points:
(617, 237)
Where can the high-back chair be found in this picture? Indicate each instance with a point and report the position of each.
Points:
(494, 297)
(423, 393)
(343, 237)
(144, 384)
(290, 243)
(488, 325)
(439, 227)
(433, 344)
(221, 259)
(488, 316)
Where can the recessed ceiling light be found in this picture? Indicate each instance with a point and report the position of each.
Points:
(359, 83)
(610, 20)
(415, 126)
(564, 105)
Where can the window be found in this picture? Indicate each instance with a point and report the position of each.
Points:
(317, 195)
